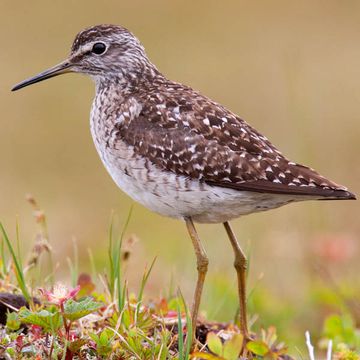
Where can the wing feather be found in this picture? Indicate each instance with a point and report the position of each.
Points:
(188, 134)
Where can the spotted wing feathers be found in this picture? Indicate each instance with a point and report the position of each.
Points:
(188, 134)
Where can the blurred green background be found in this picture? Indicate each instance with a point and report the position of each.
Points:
(290, 68)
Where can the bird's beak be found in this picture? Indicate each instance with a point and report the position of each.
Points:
(62, 68)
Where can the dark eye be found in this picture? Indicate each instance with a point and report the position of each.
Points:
(98, 48)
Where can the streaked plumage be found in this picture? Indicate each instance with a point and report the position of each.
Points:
(176, 151)
(181, 154)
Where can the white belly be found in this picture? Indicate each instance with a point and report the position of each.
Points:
(178, 196)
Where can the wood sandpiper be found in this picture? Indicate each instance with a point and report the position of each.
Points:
(179, 153)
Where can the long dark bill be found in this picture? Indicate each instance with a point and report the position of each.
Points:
(59, 69)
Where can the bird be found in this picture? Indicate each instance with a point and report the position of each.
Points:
(179, 153)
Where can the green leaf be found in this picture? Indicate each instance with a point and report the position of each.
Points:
(75, 345)
(12, 321)
(205, 356)
(94, 337)
(232, 347)
(214, 343)
(104, 350)
(104, 340)
(258, 347)
(49, 321)
(103, 345)
(11, 352)
(333, 326)
(342, 329)
(74, 310)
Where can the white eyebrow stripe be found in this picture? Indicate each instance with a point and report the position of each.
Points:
(88, 47)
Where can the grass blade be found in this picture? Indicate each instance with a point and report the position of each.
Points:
(145, 280)
(92, 264)
(189, 327)
(3, 259)
(18, 268)
(115, 268)
(180, 334)
(142, 287)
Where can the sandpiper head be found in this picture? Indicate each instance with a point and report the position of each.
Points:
(104, 52)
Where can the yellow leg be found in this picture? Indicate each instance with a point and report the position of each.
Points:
(240, 264)
(202, 265)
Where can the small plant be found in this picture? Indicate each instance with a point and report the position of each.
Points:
(229, 350)
(85, 322)
(58, 318)
(344, 353)
(103, 341)
(234, 346)
(345, 337)
(266, 345)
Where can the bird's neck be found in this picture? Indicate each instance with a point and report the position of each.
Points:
(127, 82)
(120, 97)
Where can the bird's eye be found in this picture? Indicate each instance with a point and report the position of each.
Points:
(98, 48)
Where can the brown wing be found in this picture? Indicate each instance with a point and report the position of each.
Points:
(188, 134)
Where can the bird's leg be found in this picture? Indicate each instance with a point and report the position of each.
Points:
(240, 265)
(202, 265)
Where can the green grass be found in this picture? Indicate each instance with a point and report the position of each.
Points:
(107, 321)
(18, 270)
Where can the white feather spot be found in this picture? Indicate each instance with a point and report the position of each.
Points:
(206, 122)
